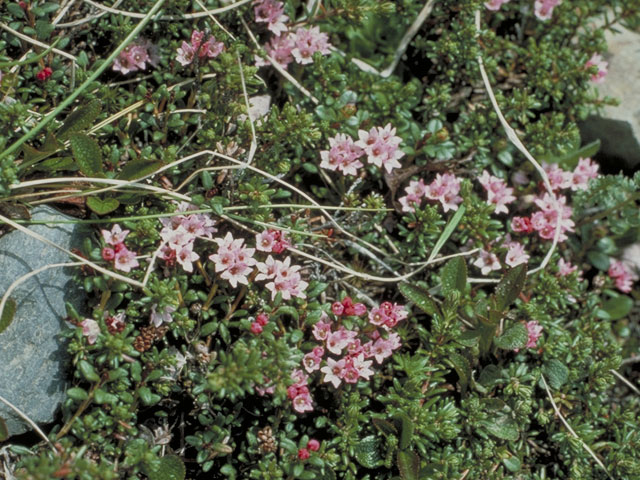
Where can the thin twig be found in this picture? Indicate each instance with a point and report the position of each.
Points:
(186, 16)
(215, 20)
(88, 18)
(568, 427)
(28, 420)
(254, 142)
(626, 382)
(38, 43)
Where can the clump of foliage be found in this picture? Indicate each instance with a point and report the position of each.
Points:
(282, 309)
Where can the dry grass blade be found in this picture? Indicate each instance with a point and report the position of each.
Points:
(31, 423)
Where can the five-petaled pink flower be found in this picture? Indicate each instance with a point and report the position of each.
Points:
(90, 329)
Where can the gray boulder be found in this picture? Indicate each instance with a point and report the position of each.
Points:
(618, 128)
(32, 355)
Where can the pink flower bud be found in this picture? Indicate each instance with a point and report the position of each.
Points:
(337, 308)
(262, 319)
(256, 328)
(108, 254)
(313, 445)
(303, 454)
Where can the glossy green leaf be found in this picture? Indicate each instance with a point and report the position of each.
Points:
(80, 119)
(139, 168)
(87, 154)
(406, 430)
(367, 452)
(420, 298)
(510, 287)
(87, 371)
(502, 426)
(512, 338)
(513, 464)
(462, 368)
(556, 373)
(618, 307)
(102, 206)
(169, 467)
(454, 276)
(8, 312)
(77, 393)
(408, 465)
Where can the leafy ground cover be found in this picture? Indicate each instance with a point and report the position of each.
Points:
(332, 239)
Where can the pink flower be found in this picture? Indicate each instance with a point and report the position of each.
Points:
(516, 254)
(135, 56)
(211, 48)
(321, 330)
(303, 403)
(108, 254)
(445, 189)
(415, 192)
(521, 225)
(545, 221)
(115, 236)
(271, 12)
(343, 155)
(535, 332)
(311, 362)
(495, 4)
(621, 275)
(303, 453)
(565, 268)
(188, 51)
(44, 74)
(381, 147)
(233, 259)
(262, 319)
(90, 329)
(558, 178)
(487, 262)
(256, 328)
(333, 371)
(497, 191)
(362, 366)
(279, 49)
(544, 8)
(337, 341)
(381, 349)
(597, 61)
(307, 42)
(186, 256)
(584, 171)
(313, 445)
(265, 241)
(158, 318)
(125, 260)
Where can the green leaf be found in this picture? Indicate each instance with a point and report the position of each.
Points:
(420, 298)
(385, 427)
(598, 259)
(80, 119)
(77, 393)
(617, 307)
(8, 312)
(406, 432)
(147, 397)
(556, 373)
(462, 367)
(169, 467)
(33, 155)
(513, 464)
(408, 465)
(87, 371)
(139, 168)
(446, 233)
(490, 376)
(502, 426)
(510, 287)
(286, 310)
(4, 431)
(208, 328)
(454, 276)
(55, 164)
(487, 332)
(102, 206)
(87, 154)
(569, 161)
(367, 452)
(514, 337)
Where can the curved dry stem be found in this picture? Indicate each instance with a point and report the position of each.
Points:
(513, 137)
(620, 377)
(568, 427)
(84, 261)
(186, 16)
(28, 420)
(27, 276)
(254, 142)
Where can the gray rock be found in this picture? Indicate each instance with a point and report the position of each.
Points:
(32, 355)
(618, 128)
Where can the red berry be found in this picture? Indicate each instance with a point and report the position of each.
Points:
(43, 74)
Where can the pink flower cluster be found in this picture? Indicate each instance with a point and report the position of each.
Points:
(622, 277)
(356, 357)
(123, 259)
(313, 445)
(179, 233)
(300, 46)
(188, 52)
(236, 262)
(544, 221)
(298, 393)
(543, 9)
(272, 241)
(444, 188)
(271, 12)
(597, 61)
(577, 180)
(566, 268)
(534, 329)
(233, 259)
(380, 145)
(135, 56)
(497, 191)
(261, 320)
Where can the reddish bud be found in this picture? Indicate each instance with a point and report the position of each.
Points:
(337, 308)
(262, 319)
(108, 254)
(303, 454)
(23, 5)
(43, 74)
(119, 247)
(313, 445)
(256, 328)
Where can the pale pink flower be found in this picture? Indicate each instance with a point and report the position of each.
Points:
(584, 171)
(621, 275)
(211, 48)
(445, 189)
(186, 256)
(597, 61)
(497, 192)
(311, 362)
(415, 192)
(307, 42)
(381, 147)
(158, 318)
(125, 260)
(558, 178)
(343, 155)
(362, 366)
(333, 371)
(495, 4)
(135, 56)
(90, 329)
(115, 236)
(237, 273)
(186, 54)
(543, 9)
(265, 241)
(337, 341)
(516, 254)
(565, 268)
(302, 403)
(487, 262)
(272, 13)
(279, 49)
(321, 330)
(189, 51)
(381, 349)
(535, 332)
(545, 220)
